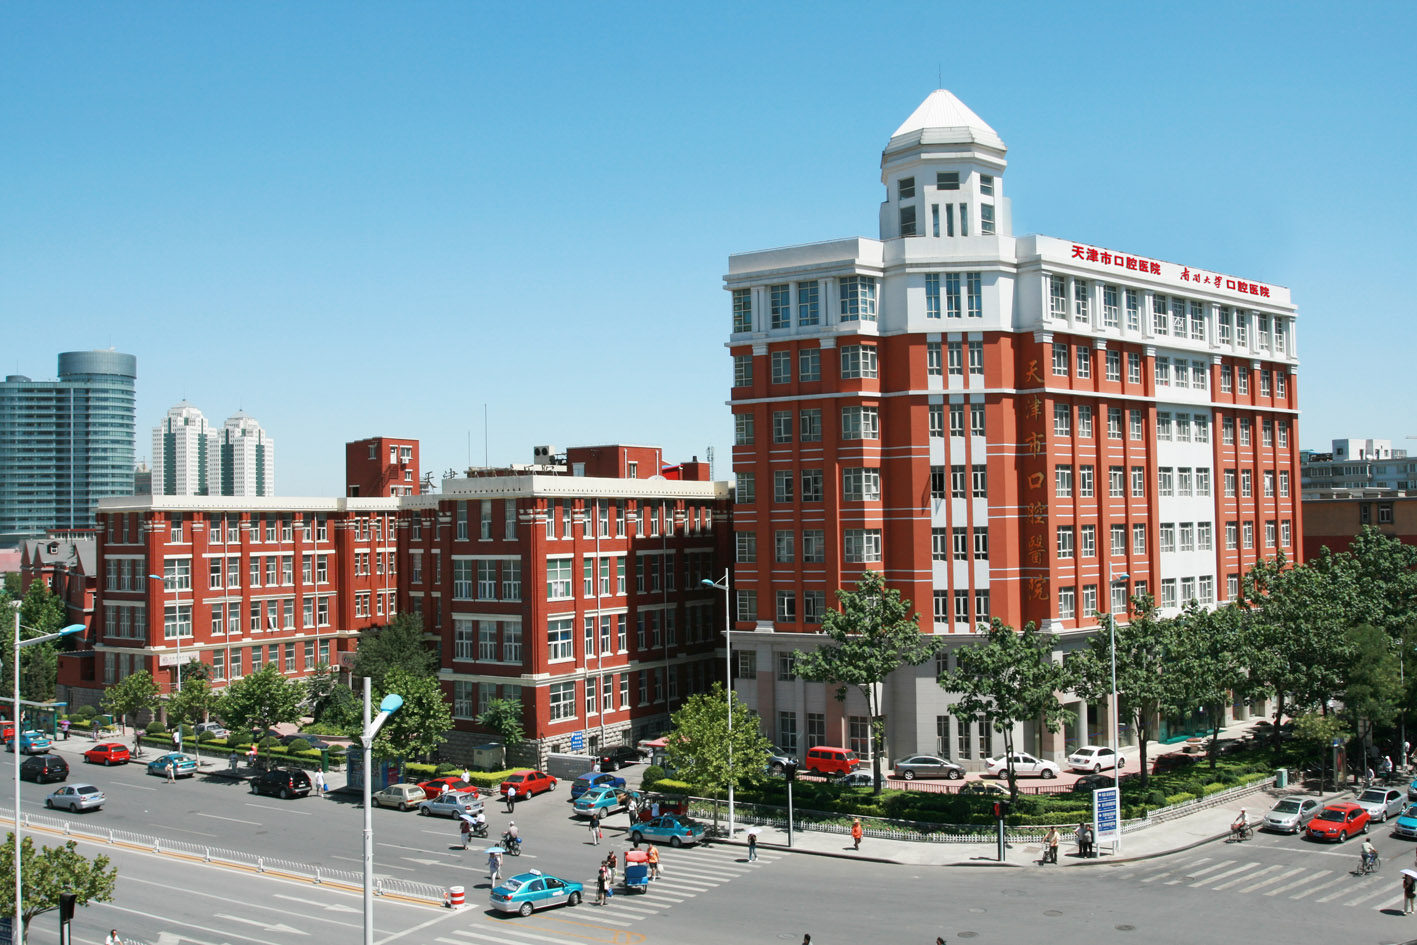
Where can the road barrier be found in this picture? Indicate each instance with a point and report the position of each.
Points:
(383, 885)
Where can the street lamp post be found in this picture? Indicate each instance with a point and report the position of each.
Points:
(15, 932)
(177, 621)
(1116, 579)
(723, 585)
(390, 704)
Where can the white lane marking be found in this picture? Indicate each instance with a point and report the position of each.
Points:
(1390, 904)
(1279, 877)
(1245, 879)
(234, 820)
(1309, 893)
(1288, 886)
(225, 935)
(1383, 890)
(188, 830)
(1209, 869)
(268, 926)
(283, 810)
(392, 866)
(1230, 872)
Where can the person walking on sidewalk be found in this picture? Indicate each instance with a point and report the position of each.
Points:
(752, 846)
(319, 783)
(1050, 845)
(595, 828)
(494, 869)
(856, 834)
(611, 863)
(601, 884)
(464, 830)
(169, 770)
(652, 857)
(511, 798)
(1080, 835)
(1409, 894)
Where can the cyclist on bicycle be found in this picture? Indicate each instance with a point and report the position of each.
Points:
(1370, 855)
(1238, 828)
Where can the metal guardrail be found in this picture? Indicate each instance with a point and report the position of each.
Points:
(383, 885)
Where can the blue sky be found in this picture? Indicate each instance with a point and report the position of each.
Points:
(359, 218)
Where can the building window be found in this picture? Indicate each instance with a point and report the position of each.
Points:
(956, 353)
(1062, 420)
(858, 361)
(780, 306)
(934, 361)
(809, 364)
(561, 699)
(986, 218)
(956, 419)
(742, 310)
(781, 367)
(1057, 297)
(952, 294)
(976, 358)
(742, 370)
(786, 607)
(858, 298)
(1063, 482)
(975, 294)
(1067, 603)
(1060, 359)
(859, 423)
(1138, 482)
(861, 484)
(1065, 541)
(808, 308)
(814, 550)
(863, 545)
(1085, 421)
(809, 425)
(980, 481)
(932, 294)
(1081, 312)
(936, 414)
(811, 485)
(947, 180)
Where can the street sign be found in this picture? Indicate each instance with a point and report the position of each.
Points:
(1107, 814)
(578, 741)
(170, 659)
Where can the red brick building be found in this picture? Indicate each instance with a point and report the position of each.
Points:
(68, 567)
(381, 466)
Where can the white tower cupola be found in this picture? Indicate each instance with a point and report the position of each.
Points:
(943, 170)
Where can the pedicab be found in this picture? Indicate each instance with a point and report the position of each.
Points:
(636, 871)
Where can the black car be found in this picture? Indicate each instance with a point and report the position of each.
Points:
(1091, 782)
(44, 768)
(613, 759)
(281, 782)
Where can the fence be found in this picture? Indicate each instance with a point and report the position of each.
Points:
(383, 885)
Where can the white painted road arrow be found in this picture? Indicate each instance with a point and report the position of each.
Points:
(265, 925)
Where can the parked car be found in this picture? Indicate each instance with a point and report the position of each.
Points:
(281, 782)
(927, 766)
(986, 788)
(451, 804)
(31, 743)
(400, 796)
(216, 729)
(1338, 822)
(1382, 803)
(75, 798)
(312, 740)
(1406, 825)
(1025, 765)
(433, 788)
(183, 766)
(856, 779)
(526, 892)
(1091, 782)
(602, 799)
(824, 759)
(527, 783)
(675, 829)
(108, 753)
(1290, 815)
(44, 768)
(1095, 758)
(592, 779)
(613, 759)
(779, 759)
(1174, 761)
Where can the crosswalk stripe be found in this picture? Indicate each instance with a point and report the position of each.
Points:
(1209, 869)
(1246, 879)
(1279, 877)
(1309, 893)
(1383, 890)
(1389, 904)
(1302, 881)
(1155, 876)
(1178, 867)
(699, 873)
(684, 885)
(1230, 872)
(624, 905)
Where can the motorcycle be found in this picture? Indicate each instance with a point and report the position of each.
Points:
(479, 830)
(513, 845)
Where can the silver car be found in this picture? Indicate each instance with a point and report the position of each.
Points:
(1290, 815)
(927, 766)
(1382, 803)
(451, 804)
(76, 797)
(779, 759)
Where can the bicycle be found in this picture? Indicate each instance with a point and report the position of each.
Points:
(1366, 865)
(1243, 833)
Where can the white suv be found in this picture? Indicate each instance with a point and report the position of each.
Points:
(1094, 758)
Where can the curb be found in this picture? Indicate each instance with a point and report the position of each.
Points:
(780, 848)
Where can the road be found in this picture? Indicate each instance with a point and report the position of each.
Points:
(1270, 889)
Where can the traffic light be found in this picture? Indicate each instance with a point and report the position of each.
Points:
(66, 906)
(789, 771)
(998, 810)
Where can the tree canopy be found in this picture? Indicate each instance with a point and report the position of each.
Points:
(421, 726)
(873, 633)
(260, 700)
(131, 695)
(399, 645)
(49, 872)
(699, 744)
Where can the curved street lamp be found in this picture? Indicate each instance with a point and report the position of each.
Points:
(387, 707)
(722, 585)
(15, 933)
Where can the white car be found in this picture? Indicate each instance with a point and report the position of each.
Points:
(1094, 758)
(76, 797)
(1290, 815)
(1024, 765)
(1382, 803)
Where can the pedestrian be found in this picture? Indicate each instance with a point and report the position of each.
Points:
(1409, 893)
(856, 833)
(601, 880)
(652, 855)
(494, 868)
(595, 828)
(233, 761)
(170, 778)
(1407, 753)
(654, 810)
(464, 830)
(1050, 845)
(612, 864)
(595, 768)
(1080, 835)
(511, 798)
(1090, 839)
(806, 940)
(752, 846)
(64, 729)
(467, 775)
(113, 938)
(319, 783)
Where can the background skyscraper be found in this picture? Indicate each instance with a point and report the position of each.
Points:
(190, 457)
(247, 455)
(66, 444)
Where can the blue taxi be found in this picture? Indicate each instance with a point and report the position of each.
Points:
(593, 779)
(526, 892)
(31, 743)
(183, 766)
(1406, 824)
(673, 829)
(603, 799)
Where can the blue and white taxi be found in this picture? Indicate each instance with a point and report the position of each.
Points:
(526, 892)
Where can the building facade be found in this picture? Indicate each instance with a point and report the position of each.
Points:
(381, 466)
(1026, 428)
(1356, 464)
(65, 444)
(68, 568)
(1333, 517)
(182, 460)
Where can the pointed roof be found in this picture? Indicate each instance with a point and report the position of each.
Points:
(944, 118)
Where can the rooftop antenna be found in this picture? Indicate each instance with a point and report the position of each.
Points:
(485, 460)
(939, 76)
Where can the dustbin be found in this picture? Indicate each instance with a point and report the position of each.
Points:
(1281, 778)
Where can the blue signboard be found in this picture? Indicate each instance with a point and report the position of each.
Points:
(1107, 814)
(578, 741)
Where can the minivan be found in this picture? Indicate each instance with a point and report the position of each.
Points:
(827, 760)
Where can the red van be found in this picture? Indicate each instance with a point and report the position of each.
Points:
(826, 760)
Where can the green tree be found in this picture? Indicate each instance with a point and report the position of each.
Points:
(872, 635)
(421, 726)
(1007, 678)
(1371, 696)
(41, 612)
(504, 718)
(399, 645)
(1314, 735)
(1206, 664)
(49, 872)
(130, 696)
(193, 704)
(260, 700)
(705, 753)
(1384, 571)
(1141, 650)
(328, 700)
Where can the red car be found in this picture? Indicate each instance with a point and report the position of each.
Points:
(527, 783)
(1338, 822)
(439, 785)
(108, 753)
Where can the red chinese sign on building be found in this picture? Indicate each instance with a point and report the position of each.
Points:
(1152, 267)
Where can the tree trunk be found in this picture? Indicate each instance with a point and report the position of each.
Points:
(1142, 740)
(1278, 714)
(1009, 762)
(878, 736)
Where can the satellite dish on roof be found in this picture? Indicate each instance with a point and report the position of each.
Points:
(657, 476)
